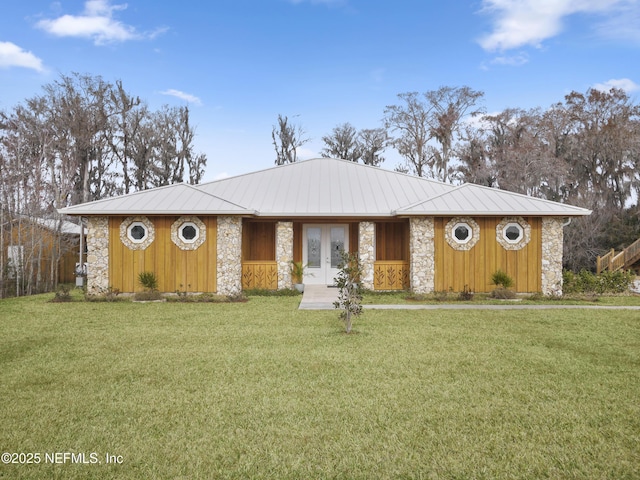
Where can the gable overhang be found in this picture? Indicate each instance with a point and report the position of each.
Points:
(176, 199)
(476, 200)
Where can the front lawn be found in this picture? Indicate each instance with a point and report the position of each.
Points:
(401, 297)
(263, 390)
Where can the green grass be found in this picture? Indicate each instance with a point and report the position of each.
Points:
(262, 390)
(405, 298)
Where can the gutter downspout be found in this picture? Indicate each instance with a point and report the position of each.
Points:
(80, 268)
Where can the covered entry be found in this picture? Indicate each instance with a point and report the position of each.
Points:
(322, 246)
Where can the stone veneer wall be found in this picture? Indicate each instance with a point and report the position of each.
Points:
(367, 252)
(284, 253)
(552, 238)
(229, 264)
(97, 255)
(422, 252)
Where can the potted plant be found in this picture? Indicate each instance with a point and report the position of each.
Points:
(297, 275)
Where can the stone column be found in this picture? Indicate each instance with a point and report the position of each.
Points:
(422, 253)
(552, 238)
(229, 259)
(284, 253)
(367, 252)
(97, 255)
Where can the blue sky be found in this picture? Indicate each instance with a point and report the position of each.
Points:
(240, 63)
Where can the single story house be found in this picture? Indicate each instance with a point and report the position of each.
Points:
(243, 232)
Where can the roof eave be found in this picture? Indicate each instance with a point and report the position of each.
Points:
(326, 214)
(456, 213)
(106, 213)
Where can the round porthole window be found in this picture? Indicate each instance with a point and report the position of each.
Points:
(512, 232)
(137, 232)
(462, 233)
(188, 232)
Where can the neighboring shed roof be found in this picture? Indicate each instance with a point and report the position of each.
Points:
(324, 187)
(66, 227)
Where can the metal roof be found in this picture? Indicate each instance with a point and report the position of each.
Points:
(66, 227)
(177, 199)
(471, 199)
(324, 187)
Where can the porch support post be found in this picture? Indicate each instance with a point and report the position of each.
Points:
(552, 238)
(284, 253)
(367, 252)
(97, 255)
(422, 254)
(229, 258)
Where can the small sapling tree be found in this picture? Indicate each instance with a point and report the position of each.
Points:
(350, 293)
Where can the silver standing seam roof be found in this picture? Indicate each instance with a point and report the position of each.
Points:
(324, 187)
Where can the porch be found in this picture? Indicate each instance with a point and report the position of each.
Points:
(269, 247)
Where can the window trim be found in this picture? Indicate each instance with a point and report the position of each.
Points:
(130, 232)
(129, 240)
(468, 243)
(184, 243)
(469, 230)
(522, 241)
(181, 230)
(520, 233)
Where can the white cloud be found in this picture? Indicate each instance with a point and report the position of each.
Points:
(622, 24)
(622, 83)
(529, 22)
(96, 23)
(187, 97)
(512, 60)
(12, 55)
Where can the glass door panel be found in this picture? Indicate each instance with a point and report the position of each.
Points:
(321, 253)
(337, 246)
(314, 247)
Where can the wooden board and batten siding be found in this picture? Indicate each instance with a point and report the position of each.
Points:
(176, 269)
(456, 269)
(259, 267)
(391, 268)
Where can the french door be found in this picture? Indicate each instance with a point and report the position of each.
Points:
(322, 246)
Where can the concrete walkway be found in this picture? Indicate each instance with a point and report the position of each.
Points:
(321, 297)
(318, 297)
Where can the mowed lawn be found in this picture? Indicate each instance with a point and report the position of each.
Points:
(262, 390)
